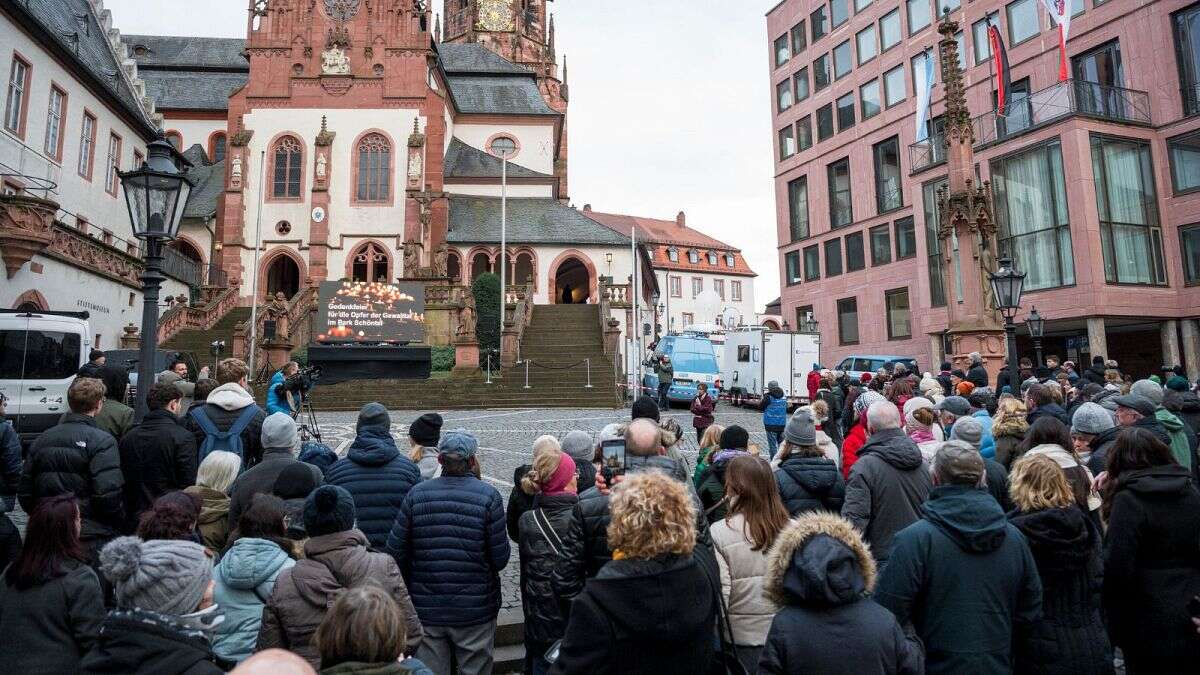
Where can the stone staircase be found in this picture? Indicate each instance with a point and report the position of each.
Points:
(197, 341)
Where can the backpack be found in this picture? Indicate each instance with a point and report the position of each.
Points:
(215, 439)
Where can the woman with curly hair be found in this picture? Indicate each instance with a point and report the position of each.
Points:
(173, 516)
(1008, 429)
(652, 609)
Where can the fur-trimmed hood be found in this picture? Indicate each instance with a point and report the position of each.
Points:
(1010, 426)
(807, 564)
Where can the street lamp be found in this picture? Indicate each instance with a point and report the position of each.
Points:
(155, 193)
(1007, 283)
(504, 148)
(1037, 328)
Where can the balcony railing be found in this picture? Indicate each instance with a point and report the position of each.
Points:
(39, 175)
(183, 268)
(1054, 103)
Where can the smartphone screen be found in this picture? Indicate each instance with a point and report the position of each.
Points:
(612, 455)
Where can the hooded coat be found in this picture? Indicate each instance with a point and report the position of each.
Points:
(213, 522)
(964, 576)
(821, 574)
(223, 406)
(243, 581)
(651, 617)
(378, 476)
(1152, 569)
(1181, 449)
(136, 642)
(712, 485)
(810, 484)
(1070, 637)
(886, 488)
(303, 592)
(1007, 435)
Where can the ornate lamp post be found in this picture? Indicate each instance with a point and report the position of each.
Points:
(155, 193)
(1037, 328)
(1007, 284)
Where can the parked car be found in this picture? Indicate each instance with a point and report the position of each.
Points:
(856, 365)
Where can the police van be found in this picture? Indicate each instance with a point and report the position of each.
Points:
(40, 353)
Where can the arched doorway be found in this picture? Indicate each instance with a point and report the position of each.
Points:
(454, 266)
(480, 263)
(523, 269)
(188, 250)
(572, 282)
(369, 262)
(283, 274)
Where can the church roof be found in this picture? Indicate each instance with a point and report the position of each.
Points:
(191, 90)
(475, 58)
(476, 220)
(464, 161)
(208, 181)
(176, 52)
(498, 95)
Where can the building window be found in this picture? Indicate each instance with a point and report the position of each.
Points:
(819, 22)
(893, 86)
(87, 145)
(729, 260)
(881, 245)
(979, 37)
(933, 245)
(799, 38)
(1031, 211)
(820, 68)
(783, 95)
(839, 12)
(676, 287)
(175, 139)
(798, 208)
(868, 46)
(673, 254)
(841, 211)
(719, 287)
(824, 122)
(847, 309)
(944, 6)
(804, 138)
(906, 238)
(800, 84)
(845, 111)
(1189, 241)
(693, 257)
(962, 49)
(369, 262)
(1096, 72)
(888, 194)
(833, 257)
(1125, 197)
(868, 96)
(374, 169)
(138, 159)
(712, 258)
(289, 156)
(1022, 21)
(781, 50)
(219, 147)
(889, 30)
(803, 314)
(113, 164)
(697, 286)
(735, 291)
(1184, 154)
(688, 319)
(812, 262)
(18, 91)
(56, 118)
(860, 5)
(791, 262)
(899, 314)
(1186, 24)
(843, 60)
(787, 142)
(856, 258)
(918, 14)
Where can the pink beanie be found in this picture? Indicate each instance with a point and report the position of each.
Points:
(557, 485)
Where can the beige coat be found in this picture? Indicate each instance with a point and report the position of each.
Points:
(742, 572)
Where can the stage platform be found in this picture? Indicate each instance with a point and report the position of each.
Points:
(348, 363)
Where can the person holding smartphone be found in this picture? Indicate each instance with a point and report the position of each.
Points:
(702, 410)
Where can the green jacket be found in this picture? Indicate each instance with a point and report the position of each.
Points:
(115, 417)
(1180, 447)
(665, 372)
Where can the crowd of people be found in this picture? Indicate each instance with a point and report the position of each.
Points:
(894, 524)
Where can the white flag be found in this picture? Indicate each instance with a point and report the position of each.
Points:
(924, 95)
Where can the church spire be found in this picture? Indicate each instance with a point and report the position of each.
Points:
(437, 28)
(550, 39)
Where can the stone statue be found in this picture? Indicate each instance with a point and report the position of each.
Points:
(235, 172)
(987, 265)
(411, 259)
(441, 260)
(414, 168)
(277, 311)
(334, 61)
(321, 162)
(466, 316)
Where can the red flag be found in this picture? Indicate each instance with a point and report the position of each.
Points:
(1000, 59)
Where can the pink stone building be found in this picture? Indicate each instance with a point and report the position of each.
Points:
(1095, 180)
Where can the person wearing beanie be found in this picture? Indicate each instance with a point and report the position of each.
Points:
(1180, 447)
(520, 499)
(452, 558)
(645, 408)
(1177, 383)
(553, 484)
(1093, 432)
(920, 423)
(336, 558)
(280, 443)
(734, 442)
(857, 437)
(165, 618)
(808, 480)
(1095, 372)
(970, 431)
(932, 389)
(423, 436)
(578, 444)
(375, 473)
(294, 485)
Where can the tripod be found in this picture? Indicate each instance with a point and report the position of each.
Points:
(307, 419)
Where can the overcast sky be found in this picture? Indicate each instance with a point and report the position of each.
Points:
(670, 107)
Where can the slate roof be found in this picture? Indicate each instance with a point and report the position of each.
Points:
(498, 95)
(475, 58)
(76, 29)
(208, 181)
(464, 161)
(191, 90)
(530, 221)
(169, 51)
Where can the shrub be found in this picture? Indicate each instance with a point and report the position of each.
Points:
(486, 289)
(442, 358)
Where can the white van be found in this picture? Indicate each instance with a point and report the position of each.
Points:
(40, 352)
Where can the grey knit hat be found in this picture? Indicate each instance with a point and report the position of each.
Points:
(969, 430)
(279, 431)
(160, 575)
(373, 415)
(1091, 418)
(1148, 389)
(578, 444)
(800, 429)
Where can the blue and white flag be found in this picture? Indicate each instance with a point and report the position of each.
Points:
(924, 87)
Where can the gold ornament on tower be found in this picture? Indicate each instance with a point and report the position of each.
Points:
(495, 16)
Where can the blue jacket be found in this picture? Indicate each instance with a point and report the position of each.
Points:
(277, 402)
(243, 580)
(451, 544)
(775, 411)
(987, 443)
(10, 464)
(378, 477)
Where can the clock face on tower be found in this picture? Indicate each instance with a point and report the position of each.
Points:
(495, 16)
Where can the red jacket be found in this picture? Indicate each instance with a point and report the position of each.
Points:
(814, 383)
(850, 447)
(702, 411)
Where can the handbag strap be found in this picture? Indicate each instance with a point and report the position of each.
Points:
(543, 525)
(723, 628)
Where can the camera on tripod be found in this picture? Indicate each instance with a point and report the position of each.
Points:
(302, 380)
(216, 347)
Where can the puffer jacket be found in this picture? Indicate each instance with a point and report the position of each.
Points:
(1069, 637)
(1077, 475)
(304, 592)
(544, 621)
(48, 629)
(821, 575)
(77, 457)
(742, 570)
(243, 581)
(774, 407)
(451, 557)
(1008, 435)
(378, 477)
(852, 446)
(213, 522)
(886, 488)
(810, 484)
(157, 456)
(137, 642)
(224, 406)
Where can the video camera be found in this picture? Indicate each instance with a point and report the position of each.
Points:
(303, 380)
(216, 347)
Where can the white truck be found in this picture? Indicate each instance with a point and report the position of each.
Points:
(40, 352)
(755, 356)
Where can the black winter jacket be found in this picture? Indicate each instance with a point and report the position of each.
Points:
(49, 628)
(261, 478)
(810, 484)
(1152, 569)
(1100, 445)
(10, 465)
(1070, 637)
(1095, 374)
(135, 642)
(544, 621)
(887, 485)
(10, 541)
(1049, 410)
(78, 457)
(977, 375)
(378, 476)
(519, 502)
(157, 456)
